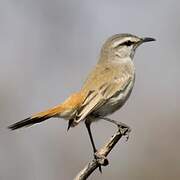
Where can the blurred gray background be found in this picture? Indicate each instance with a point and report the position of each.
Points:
(46, 50)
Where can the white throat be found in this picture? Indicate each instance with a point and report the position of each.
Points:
(123, 60)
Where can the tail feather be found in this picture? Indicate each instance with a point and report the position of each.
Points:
(64, 110)
(37, 118)
(27, 122)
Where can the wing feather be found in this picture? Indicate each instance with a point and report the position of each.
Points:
(99, 97)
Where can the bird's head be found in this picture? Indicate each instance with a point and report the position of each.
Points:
(122, 46)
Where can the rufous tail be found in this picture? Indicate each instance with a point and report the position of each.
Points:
(37, 118)
(63, 110)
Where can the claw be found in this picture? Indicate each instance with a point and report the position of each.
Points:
(96, 158)
(125, 131)
(102, 160)
(127, 137)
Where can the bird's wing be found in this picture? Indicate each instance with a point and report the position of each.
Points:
(99, 93)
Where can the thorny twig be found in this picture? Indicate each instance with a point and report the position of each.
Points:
(101, 154)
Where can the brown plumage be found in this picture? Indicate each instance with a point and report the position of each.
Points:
(106, 89)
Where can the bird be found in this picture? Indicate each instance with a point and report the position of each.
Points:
(106, 89)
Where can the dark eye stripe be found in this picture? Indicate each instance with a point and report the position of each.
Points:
(127, 43)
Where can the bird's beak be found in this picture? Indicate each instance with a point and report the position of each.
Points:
(147, 39)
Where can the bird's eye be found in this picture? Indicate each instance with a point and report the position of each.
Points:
(128, 43)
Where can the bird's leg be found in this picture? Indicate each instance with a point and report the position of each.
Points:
(88, 126)
(124, 129)
(96, 156)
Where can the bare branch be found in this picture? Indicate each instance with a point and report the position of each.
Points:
(101, 154)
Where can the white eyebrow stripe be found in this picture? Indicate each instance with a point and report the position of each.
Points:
(117, 43)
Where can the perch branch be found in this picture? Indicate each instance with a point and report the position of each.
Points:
(101, 154)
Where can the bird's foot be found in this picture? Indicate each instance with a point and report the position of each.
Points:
(102, 160)
(124, 130)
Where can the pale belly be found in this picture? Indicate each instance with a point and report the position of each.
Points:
(116, 102)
